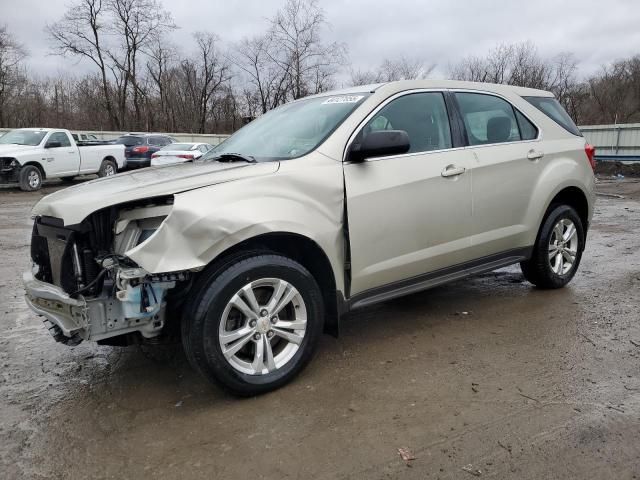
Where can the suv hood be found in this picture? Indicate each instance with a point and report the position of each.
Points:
(75, 203)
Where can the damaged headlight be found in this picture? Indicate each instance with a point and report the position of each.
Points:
(137, 225)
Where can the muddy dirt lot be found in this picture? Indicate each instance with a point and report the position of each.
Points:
(487, 377)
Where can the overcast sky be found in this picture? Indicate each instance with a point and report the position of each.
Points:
(437, 31)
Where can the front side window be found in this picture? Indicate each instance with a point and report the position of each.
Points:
(60, 137)
(422, 115)
(292, 130)
(488, 119)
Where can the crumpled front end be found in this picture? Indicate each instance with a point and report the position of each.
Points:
(84, 286)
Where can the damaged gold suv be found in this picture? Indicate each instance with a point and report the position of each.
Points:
(324, 205)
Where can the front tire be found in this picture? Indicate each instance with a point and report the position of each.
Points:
(30, 178)
(558, 249)
(254, 324)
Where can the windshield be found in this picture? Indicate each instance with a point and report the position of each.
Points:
(178, 146)
(291, 130)
(23, 137)
(129, 141)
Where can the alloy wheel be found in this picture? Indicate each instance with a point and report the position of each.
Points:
(263, 326)
(563, 246)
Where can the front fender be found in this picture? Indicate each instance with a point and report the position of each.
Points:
(206, 222)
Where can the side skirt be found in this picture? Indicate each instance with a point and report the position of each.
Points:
(436, 278)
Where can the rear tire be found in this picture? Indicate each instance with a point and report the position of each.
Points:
(274, 345)
(108, 168)
(30, 178)
(558, 249)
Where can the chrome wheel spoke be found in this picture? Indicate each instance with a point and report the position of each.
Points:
(291, 337)
(235, 348)
(553, 251)
(278, 291)
(268, 355)
(240, 304)
(234, 335)
(570, 233)
(258, 357)
(295, 325)
(568, 256)
(251, 299)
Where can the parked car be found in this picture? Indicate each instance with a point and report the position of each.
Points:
(321, 206)
(30, 155)
(179, 153)
(140, 146)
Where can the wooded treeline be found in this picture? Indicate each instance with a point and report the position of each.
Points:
(140, 81)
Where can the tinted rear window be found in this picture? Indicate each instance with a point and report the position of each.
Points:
(129, 141)
(552, 109)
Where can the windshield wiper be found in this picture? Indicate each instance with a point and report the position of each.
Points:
(234, 157)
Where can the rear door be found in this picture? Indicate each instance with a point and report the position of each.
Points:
(61, 160)
(409, 214)
(507, 163)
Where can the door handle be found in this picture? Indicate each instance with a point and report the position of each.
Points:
(534, 155)
(453, 171)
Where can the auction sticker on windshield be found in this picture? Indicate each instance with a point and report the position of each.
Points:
(344, 99)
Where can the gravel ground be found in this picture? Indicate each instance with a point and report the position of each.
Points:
(486, 377)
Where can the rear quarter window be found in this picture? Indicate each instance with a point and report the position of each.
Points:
(552, 109)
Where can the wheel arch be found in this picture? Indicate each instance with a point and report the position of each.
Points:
(36, 164)
(576, 198)
(306, 252)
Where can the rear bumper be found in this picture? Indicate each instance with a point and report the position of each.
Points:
(137, 162)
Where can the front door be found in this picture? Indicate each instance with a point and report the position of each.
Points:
(409, 214)
(61, 160)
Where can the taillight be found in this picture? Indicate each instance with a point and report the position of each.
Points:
(142, 149)
(590, 150)
(187, 156)
(155, 155)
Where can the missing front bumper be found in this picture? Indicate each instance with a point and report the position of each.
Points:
(88, 319)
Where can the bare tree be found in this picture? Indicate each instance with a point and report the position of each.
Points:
(137, 26)
(204, 76)
(390, 70)
(11, 54)
(80, 33)
(267, 79)
(301, 53)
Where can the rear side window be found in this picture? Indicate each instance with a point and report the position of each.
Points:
(528, 130)
(552, 109)
(488, 119)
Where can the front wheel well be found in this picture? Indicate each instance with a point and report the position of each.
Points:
(38, 166)
(574, 197)
(307, 253)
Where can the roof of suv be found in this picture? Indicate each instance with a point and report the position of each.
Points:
(401, 85)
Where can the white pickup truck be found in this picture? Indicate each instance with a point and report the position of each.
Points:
(30, 155)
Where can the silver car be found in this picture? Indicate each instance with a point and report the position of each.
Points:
(324, 205)
(179, 153)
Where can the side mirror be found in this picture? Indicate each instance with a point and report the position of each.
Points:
(379, 144)
(53, 145)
